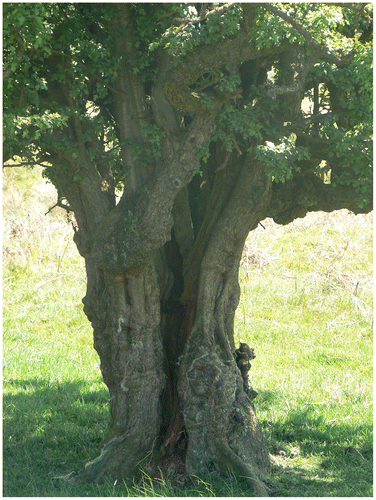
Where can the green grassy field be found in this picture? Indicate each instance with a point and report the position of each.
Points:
(306, 309)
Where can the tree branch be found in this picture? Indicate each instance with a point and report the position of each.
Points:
(249, 14)
(186, 72)
(309, 194)
(61, 205)
(307, 121)
(215, 12)
(322, 51)
(274, 90)
(25, 164)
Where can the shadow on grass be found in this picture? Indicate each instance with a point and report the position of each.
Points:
(49, 430)
(52, 429)
(312, 458)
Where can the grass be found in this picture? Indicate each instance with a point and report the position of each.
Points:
(306, 308)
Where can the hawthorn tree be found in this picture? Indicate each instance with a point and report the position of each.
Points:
(170, 131)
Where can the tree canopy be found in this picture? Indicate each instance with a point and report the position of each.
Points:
(250, 65)
(170, 131)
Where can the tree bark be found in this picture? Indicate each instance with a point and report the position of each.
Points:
(163, 315)
(124, 312)
(164, 332)
(217, 405)
(308, 193)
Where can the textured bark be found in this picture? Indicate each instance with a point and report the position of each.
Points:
(161, 297)
(164, 332)
(218, 413)
(124, 311)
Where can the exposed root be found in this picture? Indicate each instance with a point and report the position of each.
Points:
(94, 470)
(228, 458)
(69, 477)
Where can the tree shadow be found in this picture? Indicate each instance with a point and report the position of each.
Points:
(311, 457)
(49, 430)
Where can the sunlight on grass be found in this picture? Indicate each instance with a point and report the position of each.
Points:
(306, 308)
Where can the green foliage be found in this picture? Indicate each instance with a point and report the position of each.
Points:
(202, 155)
(153, 136)
(352, 148)
(249, 123)
(322, 20)
(180, 40)
(218, 28)
(229, 83)
(61, 65)
(280, 159)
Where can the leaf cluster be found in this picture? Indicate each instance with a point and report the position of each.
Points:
(308, 82)
(281, 159)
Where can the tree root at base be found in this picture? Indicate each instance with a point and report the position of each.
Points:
(228, 458)
(96, 468)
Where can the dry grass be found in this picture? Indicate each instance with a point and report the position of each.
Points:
(320, 254)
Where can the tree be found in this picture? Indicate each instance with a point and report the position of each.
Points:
(170, 131)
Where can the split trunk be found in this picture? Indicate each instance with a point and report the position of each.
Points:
(164, 332)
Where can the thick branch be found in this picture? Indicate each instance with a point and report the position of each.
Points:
(209, 57)
(249, 15)
(129, 102)
(309, 194)
(129, 235)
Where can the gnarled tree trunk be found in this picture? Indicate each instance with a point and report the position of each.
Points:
(164, 332)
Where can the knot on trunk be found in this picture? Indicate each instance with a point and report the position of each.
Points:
(243, 357)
